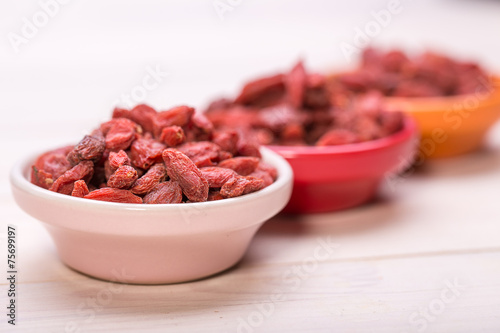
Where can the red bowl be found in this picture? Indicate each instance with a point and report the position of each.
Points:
(333, 178)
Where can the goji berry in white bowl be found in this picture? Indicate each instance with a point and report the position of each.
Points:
(151, 244)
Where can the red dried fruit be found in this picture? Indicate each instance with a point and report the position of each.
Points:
(224, 155)
(54, 162)
(117, 159)
(123, 177)
(113, 195)
(141, 114)
(277, 117)
(293, 132)
(428, 74)
(243, 165)
(41, 178)
(181, 169)
(248, 144)
(367, 128)
(150, 179)
(391, 122)
(269, 169)
(241, 185)
(265, 176)
(217, 176)
(172, 136)
(337, 137)
(146, 152)
(64, 184)
(90, 148)
(119, 133)
(234, 117)
(80, 189)
(222, 103)
(255, 89)
(227, 140)
(120, 113)
(164, 193)
(202, 127)
(202, 153)
(264, 136)
(178, 116)
(295, 83)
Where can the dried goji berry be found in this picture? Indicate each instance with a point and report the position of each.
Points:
(141, 114)
(269, 169)
(119, 133)
(227, 140)
(181, 169)
(265, 176)
(293, 132)
(80, 189)
(90, 148)
(277, 117)
(172, 136)
(337, 137)
(202, 128)
(145, 152)
(178, 116)
(248, 144)
(150, 179)
(241, 185)
(202, 153)
(257, 88)
(224, 155)
(295, 83)
(217, 176)
(117, 159)
(114, 195)
(64, 184)
(164, 193)
(123, 177)
(243, 165)
(41, 178)
(54, 162)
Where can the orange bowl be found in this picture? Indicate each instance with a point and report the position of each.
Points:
(452, 125)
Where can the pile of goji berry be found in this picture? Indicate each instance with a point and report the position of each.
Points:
(301, 108)
(145, 156)
(393, 73)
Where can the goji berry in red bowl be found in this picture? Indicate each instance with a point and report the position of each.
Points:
(340, 147)
(132, 203)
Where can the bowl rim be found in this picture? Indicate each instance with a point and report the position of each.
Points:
(19, 178)
(409, 130)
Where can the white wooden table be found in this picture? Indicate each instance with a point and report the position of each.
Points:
(424, 258)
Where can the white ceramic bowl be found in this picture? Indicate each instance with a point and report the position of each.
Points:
(152, 244)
